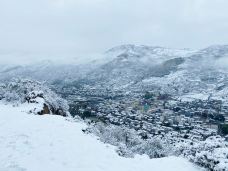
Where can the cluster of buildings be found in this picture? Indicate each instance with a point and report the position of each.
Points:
(152, 113)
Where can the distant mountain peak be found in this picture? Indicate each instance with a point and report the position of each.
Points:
(132, 47)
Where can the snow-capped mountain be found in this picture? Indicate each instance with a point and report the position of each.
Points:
(155, 53)
(44, 71)
(130, 64)
(176, 71)
(125, 62)
(203, 72)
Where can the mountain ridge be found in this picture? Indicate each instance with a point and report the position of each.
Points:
(127, 66)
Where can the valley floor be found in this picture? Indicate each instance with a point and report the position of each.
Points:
(52, 143)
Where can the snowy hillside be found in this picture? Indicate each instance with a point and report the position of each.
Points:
(151, 54)
(141, 67)
(33, 143)
(126, 59)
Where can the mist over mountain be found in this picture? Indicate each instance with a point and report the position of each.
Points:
(113, 85)
(131, 67)
(130, 63)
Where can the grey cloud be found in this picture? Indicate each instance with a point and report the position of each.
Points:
(75, 28)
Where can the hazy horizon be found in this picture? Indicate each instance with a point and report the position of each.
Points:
(68, 29)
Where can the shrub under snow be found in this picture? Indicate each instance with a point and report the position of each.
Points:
(20, 91)
(129, 142)
(211, 153)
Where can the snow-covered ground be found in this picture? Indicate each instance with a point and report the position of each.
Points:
(52, 143)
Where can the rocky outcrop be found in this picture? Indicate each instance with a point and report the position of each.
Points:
(45, 110)
(21, 91)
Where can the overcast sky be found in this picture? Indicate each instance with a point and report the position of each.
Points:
(76, 28)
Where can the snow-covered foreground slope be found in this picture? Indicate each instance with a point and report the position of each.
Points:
(51, 143)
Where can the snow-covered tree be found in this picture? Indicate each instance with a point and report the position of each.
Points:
(129, 142)
(211, 153)
(20, 91)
